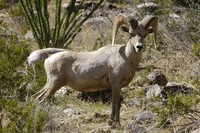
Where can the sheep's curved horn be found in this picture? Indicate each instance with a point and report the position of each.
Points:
(151, 21)
(122, 19)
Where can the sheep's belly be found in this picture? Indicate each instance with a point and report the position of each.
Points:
(89, 85)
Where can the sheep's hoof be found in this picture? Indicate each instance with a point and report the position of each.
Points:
(114, 124)
(110, 122)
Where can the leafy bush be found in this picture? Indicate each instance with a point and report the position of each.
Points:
(177, 105)
(196, 49)
(15, 87)
(22, 117)
(15, 80)
(12, 57)
(16, 10)
(3, 4)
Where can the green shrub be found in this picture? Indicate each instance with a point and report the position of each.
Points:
(196, 49)
(15, 86)
(3, 4)
(23, 117)
(193, 24)
(16, 10)
(12, 57)
(177, 105)
(15, 80)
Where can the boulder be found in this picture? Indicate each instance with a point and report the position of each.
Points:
(71, 112)
(65, 5)
(136, 102)
(136, 128)
(196, 131)
(156, 77)
(63, 91)
(195, 71)
(173, 15)
(29, 35)
(153, 91)
(4, 120)
(146, 117)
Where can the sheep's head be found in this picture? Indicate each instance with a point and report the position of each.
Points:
(137, 30)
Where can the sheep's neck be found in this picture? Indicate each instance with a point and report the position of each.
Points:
(135, 57)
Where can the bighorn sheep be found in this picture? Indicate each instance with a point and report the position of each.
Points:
(110, 67)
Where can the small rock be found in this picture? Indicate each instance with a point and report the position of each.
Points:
(172, 84)
(135, 128)
(153, 91)
(173, 15)
(4, 120)
(2, 17)
(156, 77)
(145, 118)
(70, 112)
(195, 71)
(137, 102)
(29, 35)
(196, 131)
(63, 91)
(65, 5)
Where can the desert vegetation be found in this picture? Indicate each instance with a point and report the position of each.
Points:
(176, 57)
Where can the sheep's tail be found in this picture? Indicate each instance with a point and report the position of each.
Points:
(30, 85)
(37, 55)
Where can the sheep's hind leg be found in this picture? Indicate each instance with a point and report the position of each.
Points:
(34, 96)
(39, 94)
(51, 89)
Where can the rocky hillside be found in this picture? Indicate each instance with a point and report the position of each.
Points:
(162, 97)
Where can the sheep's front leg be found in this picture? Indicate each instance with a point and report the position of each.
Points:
(115, 113)
(52, 87)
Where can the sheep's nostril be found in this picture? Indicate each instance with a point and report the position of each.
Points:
(139, 47)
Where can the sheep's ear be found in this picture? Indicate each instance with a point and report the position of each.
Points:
(125, 28)
(150, 30)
